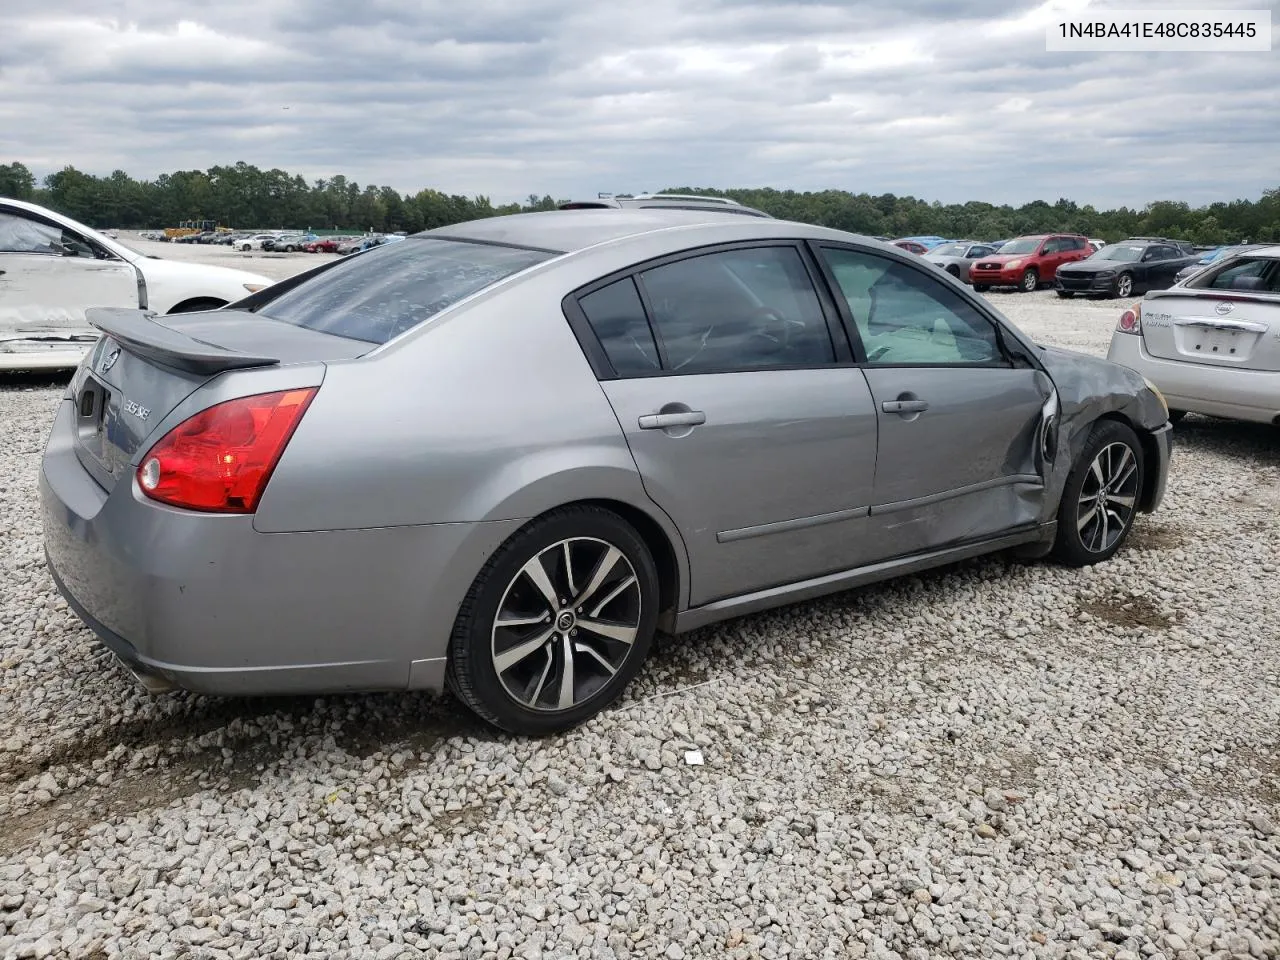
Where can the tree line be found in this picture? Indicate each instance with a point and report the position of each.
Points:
(245, 196)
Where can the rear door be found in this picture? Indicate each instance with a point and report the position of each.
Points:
(956, 459)
(749, 423)
(49, 275)
(1228, 315)
(1163, 263)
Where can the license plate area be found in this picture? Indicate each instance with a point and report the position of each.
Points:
(92, 405)
(1208, 342)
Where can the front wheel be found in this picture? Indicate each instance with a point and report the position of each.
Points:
(981, 287)
(1030, 280)
(556, 624)
(1100, 499)
(1124, 285)
(1065, 294)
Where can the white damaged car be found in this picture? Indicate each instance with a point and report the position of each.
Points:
(52, 269)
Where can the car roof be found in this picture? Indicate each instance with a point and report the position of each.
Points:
(565, 231)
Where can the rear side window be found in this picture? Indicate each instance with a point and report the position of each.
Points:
(381, 294)
(618, 319)
(746, 309)
(1248, 273)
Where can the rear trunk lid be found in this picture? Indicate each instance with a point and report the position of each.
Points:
(1222, 328)
(146, 366)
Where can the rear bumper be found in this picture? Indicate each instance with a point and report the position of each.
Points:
(209, 604)
(1252, 395)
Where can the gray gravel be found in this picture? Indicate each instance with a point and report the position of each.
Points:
(993, 760)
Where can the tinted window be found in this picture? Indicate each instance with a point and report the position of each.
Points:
(738, 310)
(381, 294)
(1241, 274)
(618, 319)
(906, 317)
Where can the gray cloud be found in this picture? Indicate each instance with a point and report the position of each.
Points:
(943, 100)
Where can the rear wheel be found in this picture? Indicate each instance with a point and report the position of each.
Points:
(1100, 499)
(1175, 416)
(1124, 285)
(557, 623)
(1030, 280)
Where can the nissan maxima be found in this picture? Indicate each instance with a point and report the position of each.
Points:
(498, 456)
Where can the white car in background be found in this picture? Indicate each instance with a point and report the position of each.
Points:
(1211, 343)
(255, 242)
(53, 268)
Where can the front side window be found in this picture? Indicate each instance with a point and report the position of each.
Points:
(382, 294)
(906, 317)
(21, 235)
(746, 309)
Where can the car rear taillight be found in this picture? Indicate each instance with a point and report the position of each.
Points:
(1131, 320)
(221, 459)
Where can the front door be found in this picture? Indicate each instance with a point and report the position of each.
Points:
(746, 427)
(49, 276)
(958, 421)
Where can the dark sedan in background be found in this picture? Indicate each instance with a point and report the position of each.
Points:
(1120, 269)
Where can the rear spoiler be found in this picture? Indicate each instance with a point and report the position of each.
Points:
(139, 333)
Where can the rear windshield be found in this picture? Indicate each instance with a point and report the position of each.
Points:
(1261, 274)
(386, 291)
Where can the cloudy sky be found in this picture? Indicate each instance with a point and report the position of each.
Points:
(949, 100)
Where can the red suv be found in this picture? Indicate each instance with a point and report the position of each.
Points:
(1027, 262)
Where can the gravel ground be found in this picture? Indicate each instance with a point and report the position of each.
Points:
(992, 760)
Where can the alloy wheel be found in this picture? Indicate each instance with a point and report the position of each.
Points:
(1124, 285)
(1030, 281)
(1107, 497)
(566, 624)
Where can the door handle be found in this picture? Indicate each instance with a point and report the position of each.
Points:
(663, 421)
(905, 406)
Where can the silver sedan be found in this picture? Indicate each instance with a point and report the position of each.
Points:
(958, 256)
(501, 455)
(1212, 342)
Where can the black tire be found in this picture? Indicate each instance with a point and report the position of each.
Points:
(1030, 280)
(1123, 285)
(1175, 416)
(472, 673)
(1066, 294)
(981, 287)
(1081, 543)
(954, 271)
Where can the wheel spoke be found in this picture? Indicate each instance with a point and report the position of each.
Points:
(1084, 521)
(537, 574)
(568, 569)
(1096, 468)
(566, 675)
(520, 621)
(532, 700)
(1123, 501)
(1120, 481)
(613, 595)
(504, 661)
(1103, 528)
(610, 560)
(583, 648)
(614, 631)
